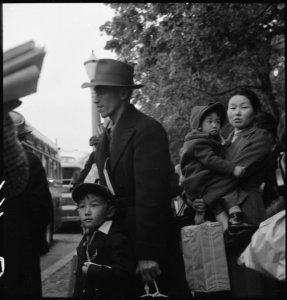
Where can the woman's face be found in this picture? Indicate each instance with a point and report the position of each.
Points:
(240, 112)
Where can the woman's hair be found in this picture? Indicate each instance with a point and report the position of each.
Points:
(251, 96)
(266, 121)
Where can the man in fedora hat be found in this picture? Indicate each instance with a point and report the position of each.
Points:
(134, 162)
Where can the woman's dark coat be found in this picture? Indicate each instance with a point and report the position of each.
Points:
(251, 149)
(140, 174)
(23, 223)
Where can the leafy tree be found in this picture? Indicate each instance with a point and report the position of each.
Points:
(193, 53)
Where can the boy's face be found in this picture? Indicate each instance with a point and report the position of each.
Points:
(211, 123)
(93, 211)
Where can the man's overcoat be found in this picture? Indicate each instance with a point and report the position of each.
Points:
(139, 170)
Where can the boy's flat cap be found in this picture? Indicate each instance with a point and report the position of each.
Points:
(86, 188)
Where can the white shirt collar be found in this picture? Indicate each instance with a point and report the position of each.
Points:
(105, 227)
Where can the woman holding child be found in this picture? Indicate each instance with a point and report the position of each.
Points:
(234, 197)
(249, 147)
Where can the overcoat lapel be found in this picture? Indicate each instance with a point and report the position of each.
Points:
(103, 152)
(239, 144)
(123, 134)
(98, 243)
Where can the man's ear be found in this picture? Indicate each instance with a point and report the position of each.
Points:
(111, 211)
(124, 93)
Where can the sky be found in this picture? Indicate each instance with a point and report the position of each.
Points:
(60, 109)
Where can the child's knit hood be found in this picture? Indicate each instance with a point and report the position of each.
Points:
(199, 111)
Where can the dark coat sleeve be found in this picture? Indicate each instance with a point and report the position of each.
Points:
(255, 151)
(112, 273)
(251, 152)
(203, 152)
(39, 198)
(86, 169)
(152, 186)
(121, 266)
(199, 163)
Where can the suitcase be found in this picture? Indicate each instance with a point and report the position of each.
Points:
(204, 257)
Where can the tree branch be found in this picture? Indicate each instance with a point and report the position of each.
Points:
(227, 91)
(257, 17)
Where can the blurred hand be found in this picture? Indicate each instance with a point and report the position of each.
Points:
(10, 105)
(238, 171)
(85, 267)
(198, 205)
(149, 269)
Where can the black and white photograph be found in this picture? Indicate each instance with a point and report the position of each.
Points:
(143, 150)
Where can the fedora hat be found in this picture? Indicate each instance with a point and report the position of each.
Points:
(19, 121)
(111, 72)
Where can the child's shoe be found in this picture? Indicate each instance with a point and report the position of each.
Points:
(239, 221)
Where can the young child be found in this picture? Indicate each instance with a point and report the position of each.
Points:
(202, 156)
(105, 267)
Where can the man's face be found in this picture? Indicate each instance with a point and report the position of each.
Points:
(108, 100)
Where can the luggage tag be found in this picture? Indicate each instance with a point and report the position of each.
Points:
(279, 173)
(148, 294)
(279, 177)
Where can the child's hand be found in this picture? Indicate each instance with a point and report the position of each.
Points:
(199, 218)
(198, 205)
(238, 171)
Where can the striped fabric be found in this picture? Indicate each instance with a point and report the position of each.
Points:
(15, 162)
(204, 258)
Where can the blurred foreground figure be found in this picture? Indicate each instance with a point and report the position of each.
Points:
(24, 221)
(15, 161)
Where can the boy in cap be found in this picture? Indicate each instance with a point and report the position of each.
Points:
(105, 262)
(202, 156)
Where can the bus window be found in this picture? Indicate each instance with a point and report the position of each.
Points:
(70, 174)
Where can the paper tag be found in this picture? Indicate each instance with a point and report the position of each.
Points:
(279, 177)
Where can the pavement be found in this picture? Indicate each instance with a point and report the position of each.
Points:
(57, 279)
(56, 265)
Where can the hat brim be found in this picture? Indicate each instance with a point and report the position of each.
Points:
(85, 188)
(92, 84)
(24, 132)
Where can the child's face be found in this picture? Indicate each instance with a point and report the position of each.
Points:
(211, 123)
(93, 211)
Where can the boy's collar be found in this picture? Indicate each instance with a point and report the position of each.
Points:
(105, 227)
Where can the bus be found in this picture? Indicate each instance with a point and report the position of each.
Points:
(72, 162)
(48, 153)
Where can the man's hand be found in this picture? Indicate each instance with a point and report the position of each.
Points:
(85, 267)
(149, 269)
(238, 171)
